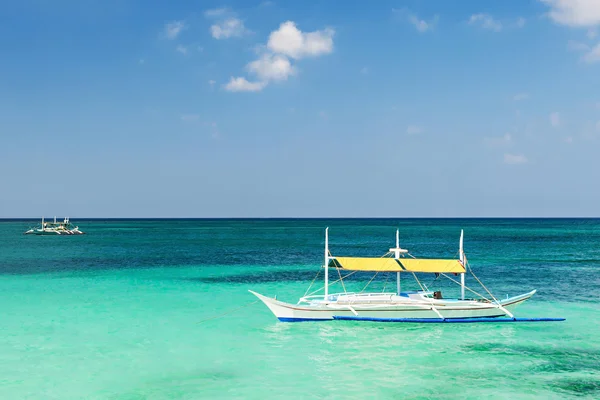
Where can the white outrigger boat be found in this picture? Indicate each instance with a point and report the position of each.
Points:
(55, 228)
(409, 306)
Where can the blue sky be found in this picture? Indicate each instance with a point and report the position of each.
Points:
(299, 108)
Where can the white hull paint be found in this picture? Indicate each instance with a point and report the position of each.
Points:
(396, 309)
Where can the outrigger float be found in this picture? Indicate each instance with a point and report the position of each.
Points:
(422, 306)
(55, 228)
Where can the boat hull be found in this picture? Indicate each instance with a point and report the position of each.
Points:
(402, 312)
(42, 233)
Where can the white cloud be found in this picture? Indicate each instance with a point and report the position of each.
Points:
(414, 130)
(173, 29)
(520, 22)
(422, 25)
(486, 21)
(242, 85)
(181, 49)
(266, 3)
(231, 27)
(591, 34)
(575, 13)
(520, 96)
(290, 41)
(212, 82)
(271, 67)
(593, 55)
(555, 119)
(514, 159)
(274, 64)
(216, 12)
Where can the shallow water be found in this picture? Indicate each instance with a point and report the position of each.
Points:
(121, 312)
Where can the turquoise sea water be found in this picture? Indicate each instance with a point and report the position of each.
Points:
(121, 312)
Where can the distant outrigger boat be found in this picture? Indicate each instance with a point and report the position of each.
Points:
(409, 306)
(55, 228)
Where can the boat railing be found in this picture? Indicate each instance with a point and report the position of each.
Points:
(348, 297)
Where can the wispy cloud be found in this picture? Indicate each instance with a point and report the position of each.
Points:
(569, 139)
(214, 130)
(414, 130)
(231, 27)
(574, 45)
(420, 24)
(485, 21)
(212, 82)
(181, 49)
(555, 119)
(593, 55)
(173, 29)
(514, 159)
(521, 96)
(216, 12)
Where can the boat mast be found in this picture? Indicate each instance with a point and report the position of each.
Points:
(462, 260)
(397, 256)
(326, 263)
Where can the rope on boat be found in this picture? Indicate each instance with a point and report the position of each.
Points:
(466, 287)
(430, 301)
(387, 277)
(318, 290)
(227, 312)
(313, 281)
(486, 289)
(368, 283)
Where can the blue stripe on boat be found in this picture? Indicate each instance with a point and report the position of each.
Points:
(303, 319)
(448, 320)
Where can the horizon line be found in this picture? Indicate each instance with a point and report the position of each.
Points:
(299, 218)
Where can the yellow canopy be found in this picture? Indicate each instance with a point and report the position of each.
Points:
(386, 264)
